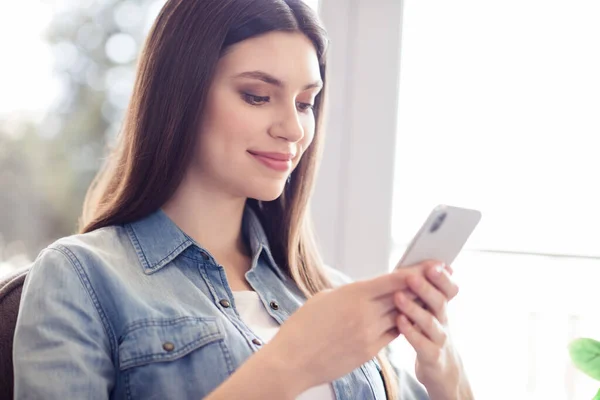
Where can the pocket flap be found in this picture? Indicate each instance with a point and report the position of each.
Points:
(158, 340)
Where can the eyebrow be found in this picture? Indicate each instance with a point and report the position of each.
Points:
(270, 79)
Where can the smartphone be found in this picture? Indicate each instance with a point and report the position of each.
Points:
(442, 236)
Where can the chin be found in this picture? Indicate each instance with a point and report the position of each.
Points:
(267, 192)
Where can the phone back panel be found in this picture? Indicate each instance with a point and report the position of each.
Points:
(442, 236)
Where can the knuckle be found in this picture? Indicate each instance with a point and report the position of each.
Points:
(414, 281)
(410, 307)
(430, 324)
(353, 325)
(430, 263)
(455, 290)
(362, 287)
(444, 307)
(440, 311)
(440, 307)
(438, 355)
(360, 319)
(443, 337)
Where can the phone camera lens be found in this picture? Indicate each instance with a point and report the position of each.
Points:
(438, 222)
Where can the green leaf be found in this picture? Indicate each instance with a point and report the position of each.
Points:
(597, 396)
(585, 354)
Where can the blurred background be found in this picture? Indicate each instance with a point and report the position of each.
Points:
(483, 104)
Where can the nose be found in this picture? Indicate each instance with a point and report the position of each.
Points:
(288, 126)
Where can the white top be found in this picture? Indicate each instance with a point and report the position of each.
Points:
(253, 313)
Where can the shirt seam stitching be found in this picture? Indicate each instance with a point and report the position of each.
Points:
(138, 248)
(87, 286)
(154, 267)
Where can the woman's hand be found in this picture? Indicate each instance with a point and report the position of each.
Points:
(438, 365)
(338, 330)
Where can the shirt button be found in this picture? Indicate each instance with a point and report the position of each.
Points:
(274, 305)
(225, 303)
(257, 342)
(168, 346)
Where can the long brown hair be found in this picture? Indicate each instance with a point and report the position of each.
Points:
(154, 148)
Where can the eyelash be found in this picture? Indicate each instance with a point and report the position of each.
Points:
(307, 107)
(254, 99)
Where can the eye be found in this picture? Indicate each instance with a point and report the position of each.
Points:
(255, 100)
(305, 107)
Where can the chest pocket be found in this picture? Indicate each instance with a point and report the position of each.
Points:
(173, 358)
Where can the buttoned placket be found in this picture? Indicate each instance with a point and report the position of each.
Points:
(224, 300)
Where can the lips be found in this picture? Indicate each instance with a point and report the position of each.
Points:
(273, 156)
(277, 161)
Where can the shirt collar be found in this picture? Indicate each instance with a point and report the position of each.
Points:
(158, 240)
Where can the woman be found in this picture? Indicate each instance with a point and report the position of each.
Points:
(195, 246)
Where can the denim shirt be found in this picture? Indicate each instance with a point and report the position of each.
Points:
(141, 311)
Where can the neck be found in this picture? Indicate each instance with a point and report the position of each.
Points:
(213, 219)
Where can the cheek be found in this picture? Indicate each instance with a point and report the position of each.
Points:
(228, 123)
(237, 122)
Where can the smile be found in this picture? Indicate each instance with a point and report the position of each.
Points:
(277, 161)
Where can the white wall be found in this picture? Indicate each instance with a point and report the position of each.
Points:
(352, 204)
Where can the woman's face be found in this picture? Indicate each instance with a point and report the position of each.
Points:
(258, 119)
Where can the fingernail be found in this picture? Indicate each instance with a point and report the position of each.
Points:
(438, 269)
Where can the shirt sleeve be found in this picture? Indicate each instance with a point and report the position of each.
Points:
(61, 346)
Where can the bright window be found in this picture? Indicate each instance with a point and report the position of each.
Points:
(499, 110)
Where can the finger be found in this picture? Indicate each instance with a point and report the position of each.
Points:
(387, 338)
(386, 284)
(423, 319)
(425, 348)
(442, 280)
(431, 296)
(388, 321)
(385, 304)
(388, 303)
(428, 264)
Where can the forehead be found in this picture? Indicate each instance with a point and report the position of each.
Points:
(290, 56)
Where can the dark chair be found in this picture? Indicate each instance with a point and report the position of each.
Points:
(10, 297)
